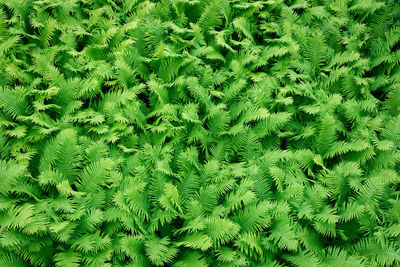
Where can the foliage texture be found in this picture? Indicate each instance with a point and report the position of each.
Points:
(193, 133)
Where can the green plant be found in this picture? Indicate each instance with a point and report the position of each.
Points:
(199, 133)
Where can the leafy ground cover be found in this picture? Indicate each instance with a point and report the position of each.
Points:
(193, 133)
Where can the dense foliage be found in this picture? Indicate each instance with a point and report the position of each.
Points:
(193, 133)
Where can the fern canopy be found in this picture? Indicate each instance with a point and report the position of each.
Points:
(201, 133)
